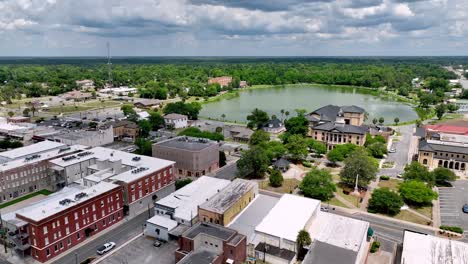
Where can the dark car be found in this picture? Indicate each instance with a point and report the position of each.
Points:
(465, 208)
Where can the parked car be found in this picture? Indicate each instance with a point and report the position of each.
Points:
(392, 150)
(157, 243)
(105, 248)
(465, 208)
(399, 176)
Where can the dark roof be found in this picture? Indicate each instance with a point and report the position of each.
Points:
(277, 252)
(330, 112)
(218, 231)
(281, 163)
(199, 257)
(125, 123)
(352, 109)
(323, 253)
(275, 123)
(343, 128)
(433, 147)
(186, 143)
(420, 132)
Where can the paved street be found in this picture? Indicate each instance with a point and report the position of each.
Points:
(451, 203)
(119, 235)
(142, 251)
(404, 151)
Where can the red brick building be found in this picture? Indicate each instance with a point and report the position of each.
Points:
(69, 218)
(211, 243)
(223, 80)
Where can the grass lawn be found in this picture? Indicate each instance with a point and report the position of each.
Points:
(20, 199)
(351, 198)
(335, 202)
(77, 107)
(410, 217)
(426, 210)
(288, 186)
(336, 177)
(392, 184)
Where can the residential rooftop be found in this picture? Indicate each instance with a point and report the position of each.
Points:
(175, 116)
(55, 204)
(186, 143)
(209, 229)
(427, 249)
(162, 221)
(290, 215)
(141, 165)
(224, 199)
(186, 200)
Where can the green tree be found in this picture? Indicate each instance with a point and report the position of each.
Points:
(274, 149)
(11, 113)
(257, 118)
(258, 137)
(416, 193)
(377, 150)
(297, 147)
(381, 120)
(318, 147)
(340, 152)
(440, 110)
(156, 120)
(145, 127)
(222, 159)
(443, 176)
(189, 109)
(302, 240)
(144, 147)
(297, 125)
(396, 120)
(358, 163)
(385, 201)
(196, 132)
(253, 163)
(318, 184)
(127, 110)
(276, 178)
(416, 171)
(182, 182)
(375, 121)
(26, 112)
(452, 108)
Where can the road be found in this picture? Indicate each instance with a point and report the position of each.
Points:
(119, 235)
(405, 148)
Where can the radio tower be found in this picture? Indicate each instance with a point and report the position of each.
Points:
(109, 66)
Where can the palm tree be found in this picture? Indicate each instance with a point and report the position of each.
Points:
(11, 114)
(282, 114)
(223, 116)
(302, 240)
(396, 120)
(286, 114)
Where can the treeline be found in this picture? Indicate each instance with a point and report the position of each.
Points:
(155, 80)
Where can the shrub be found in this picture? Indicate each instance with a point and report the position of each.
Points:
(455, 229)
(181, 183)
(307, 164)
(276, 178)
(375, 246)
(384, 178)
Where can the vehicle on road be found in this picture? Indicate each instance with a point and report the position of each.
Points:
(105, 248)
(465, 208)
(399, 176)
(392, 150)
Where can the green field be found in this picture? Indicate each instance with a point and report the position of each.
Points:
(23, 198)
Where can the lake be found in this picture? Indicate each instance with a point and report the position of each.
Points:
(308, 97)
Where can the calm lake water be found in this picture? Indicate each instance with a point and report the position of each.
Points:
(308, 97)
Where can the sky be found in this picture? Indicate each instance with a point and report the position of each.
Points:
(234, 27)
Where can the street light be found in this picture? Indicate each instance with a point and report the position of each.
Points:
(76, 257)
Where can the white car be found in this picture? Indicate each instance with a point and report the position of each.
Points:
(105, 248)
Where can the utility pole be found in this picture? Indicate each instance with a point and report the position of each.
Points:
(76, 258)
(109, 66)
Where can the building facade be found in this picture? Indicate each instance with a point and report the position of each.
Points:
(194, 157)
(176, 120)
(451, 155)
(334, 125)
(125, 130)
(217, 245)
(223, 207)
(58, 225)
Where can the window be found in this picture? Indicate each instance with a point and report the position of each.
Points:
(67, 230)
(47, 252)
(69, 241)
(102, 203)
(45, 230)
(76, 215)
(77, 226)
(117, 197)
(104, 222)
(55, 248)
(78, 236)
(61, 245)
(66, 220)
(58, 222)
(53, 225)
(46, 241)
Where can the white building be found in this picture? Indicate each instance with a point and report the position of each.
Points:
(119, 91)
(159, 227)
(177, 120)
(92, 138)
(426, 249)
(85, 84)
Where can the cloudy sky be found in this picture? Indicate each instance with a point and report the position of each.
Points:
(233, 27)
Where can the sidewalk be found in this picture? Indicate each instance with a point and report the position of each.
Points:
(343, 200)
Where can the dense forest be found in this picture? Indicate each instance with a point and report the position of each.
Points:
(156, 77)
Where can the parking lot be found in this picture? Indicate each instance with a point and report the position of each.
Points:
(451, 203)
(142, 251)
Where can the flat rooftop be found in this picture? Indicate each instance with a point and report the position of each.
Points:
(30, 150)
(186, 200)
(339, 231)
(228, 196)
(288, 216)
(163, 222)
(146, 164)
(186, 143)
(213, 230)
(427, 249)
(199, 257)
(321, 252)
(54, 203)
(252, 215)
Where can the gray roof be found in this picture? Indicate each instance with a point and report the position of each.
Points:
(343, 128)
(330, 112)
(278, 252)
(246, 222)
(186, 143)
(323, 253)
(218, 231)
(352, 109)
(224, 199)
(431, 147)
(281, 163)
(199, 257)
(175, 116)
(275, 123)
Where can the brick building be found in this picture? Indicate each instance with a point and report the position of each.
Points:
(223, 80)
(223, 207)
(125, 129)
(210, 243)
(194, 157)
(62, 221)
